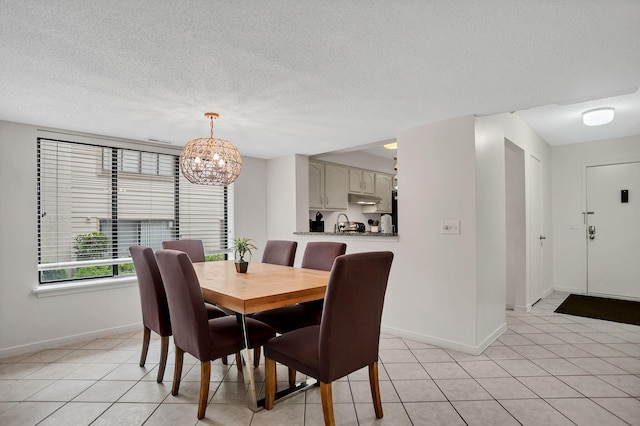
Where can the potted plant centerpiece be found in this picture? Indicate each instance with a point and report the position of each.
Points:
(242, 246)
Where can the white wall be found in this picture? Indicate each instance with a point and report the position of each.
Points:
(491, 231)
(568, 173)
(27, 321)
(451, 289)
(250, 196)
(432, 291)
(281, 208)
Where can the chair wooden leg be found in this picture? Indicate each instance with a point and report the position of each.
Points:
(177, 372)
(375, 389)
(145, 345)
(270, 383)
(164, 352)
(327, 404)
(205, 376)
(292, 377)
(256, 357)
(239, 361)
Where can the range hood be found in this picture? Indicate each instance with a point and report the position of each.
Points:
(364, 199)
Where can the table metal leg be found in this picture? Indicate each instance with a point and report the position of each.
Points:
(247, 370)
(249, 376)
(283, 394)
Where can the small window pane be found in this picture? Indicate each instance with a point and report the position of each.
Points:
(131, 162)
(106, 159)
(165, 165)
(149, 163)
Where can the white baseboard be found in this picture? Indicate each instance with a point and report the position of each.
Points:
(547, 292)
(491, 338)
(447, 344)
(522, 308)
(569, 289)
(67, 340)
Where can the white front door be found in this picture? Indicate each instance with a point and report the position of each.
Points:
(613, 230)
(536, 236)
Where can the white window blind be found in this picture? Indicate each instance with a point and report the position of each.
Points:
(95, 201)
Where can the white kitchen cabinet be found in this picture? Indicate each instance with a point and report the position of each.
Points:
(361, 181)
(328, 186)
(316, 185)
(384, 190)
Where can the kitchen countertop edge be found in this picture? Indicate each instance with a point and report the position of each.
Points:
(350, 234)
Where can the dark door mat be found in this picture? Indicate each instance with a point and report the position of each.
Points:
(626, 311)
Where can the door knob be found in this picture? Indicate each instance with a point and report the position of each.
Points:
(592, 232)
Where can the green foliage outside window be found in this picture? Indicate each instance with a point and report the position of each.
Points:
(54, 275)
(92, 246)
(93, 271)
(126, 269)
(213, 257)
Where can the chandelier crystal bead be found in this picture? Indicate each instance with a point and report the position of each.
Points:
(210, 161)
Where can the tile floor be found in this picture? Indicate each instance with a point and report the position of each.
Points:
(547, 369)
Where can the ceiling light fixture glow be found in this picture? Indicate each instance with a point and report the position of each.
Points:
(393, 145)
(598, 116)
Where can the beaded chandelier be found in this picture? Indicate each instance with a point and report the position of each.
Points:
(209, 161)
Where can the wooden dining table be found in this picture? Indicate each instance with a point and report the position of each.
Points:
(264, 286)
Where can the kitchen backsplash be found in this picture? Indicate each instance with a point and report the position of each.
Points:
(353, 212)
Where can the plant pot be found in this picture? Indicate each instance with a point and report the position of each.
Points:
(242, 266)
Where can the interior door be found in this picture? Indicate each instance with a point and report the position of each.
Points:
(613, 230)
(536, 236)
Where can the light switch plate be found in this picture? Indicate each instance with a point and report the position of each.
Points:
(450, 227)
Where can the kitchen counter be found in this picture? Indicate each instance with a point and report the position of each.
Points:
(349, 234)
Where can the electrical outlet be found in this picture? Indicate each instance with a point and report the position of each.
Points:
(450, 227)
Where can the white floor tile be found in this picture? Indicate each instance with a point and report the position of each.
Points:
(547, 368)
(583, 411)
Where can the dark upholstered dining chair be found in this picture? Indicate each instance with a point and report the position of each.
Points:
(279, 252)
(193, 333)
(276, 252)
(348, 336)
(195, 251)
(155, 310)
(320, 255)
(317, 255)
(194, 248)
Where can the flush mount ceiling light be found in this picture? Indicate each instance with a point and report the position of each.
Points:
(209, 161)
(393, 145)
(598, 116)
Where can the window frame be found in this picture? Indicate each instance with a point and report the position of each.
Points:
(118, 148)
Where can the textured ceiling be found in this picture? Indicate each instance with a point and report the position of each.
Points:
(306, 76)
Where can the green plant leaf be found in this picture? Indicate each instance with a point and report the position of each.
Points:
(242, 246)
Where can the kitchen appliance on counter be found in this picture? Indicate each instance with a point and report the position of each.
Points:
(351, 227)
(316, 225)
(386, 225)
